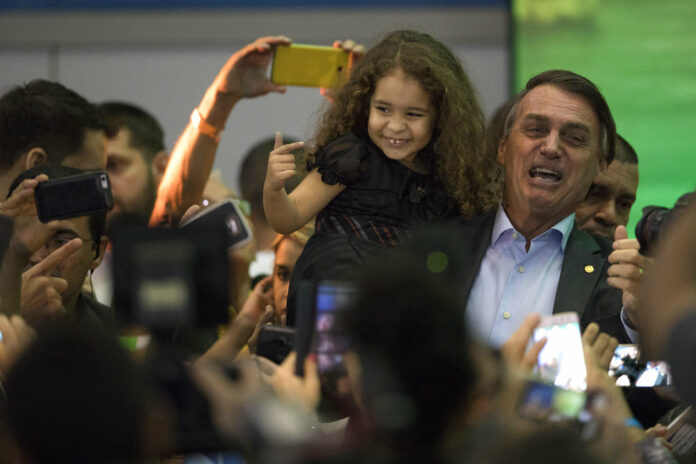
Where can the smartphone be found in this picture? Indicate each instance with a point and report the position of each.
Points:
(562, 361)
(227, 213)
(73, 196)
(275, 342)
(331, 342)
(630, 371)
(681, 434)
(310, 66)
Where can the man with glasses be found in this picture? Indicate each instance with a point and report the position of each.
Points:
(55, 270)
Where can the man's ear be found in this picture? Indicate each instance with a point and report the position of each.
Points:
(603, 165)
(35, 157)
(159, 165)
(101, 249)
(501, 150)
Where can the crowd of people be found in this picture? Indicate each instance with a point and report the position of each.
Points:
(446, 241)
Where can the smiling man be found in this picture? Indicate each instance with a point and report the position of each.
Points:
(529, 254)
(612, 194)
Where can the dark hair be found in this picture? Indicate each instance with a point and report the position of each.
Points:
(454, 151)
(576, 84)
(76, 396)
(146, 134)
(407, 326)
(253, 172)
(48, 115)
(97, 221)
(624, 151)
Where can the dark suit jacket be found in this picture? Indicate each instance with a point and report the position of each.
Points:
(586, 293)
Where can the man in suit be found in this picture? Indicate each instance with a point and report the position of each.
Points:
(529, 255)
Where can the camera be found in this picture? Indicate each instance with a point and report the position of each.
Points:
(654, 220)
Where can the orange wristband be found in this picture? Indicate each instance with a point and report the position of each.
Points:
(204, 127)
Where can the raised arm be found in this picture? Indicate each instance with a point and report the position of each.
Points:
(287, 213)
(243, 76)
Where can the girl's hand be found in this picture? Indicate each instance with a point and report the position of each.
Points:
(281, 163)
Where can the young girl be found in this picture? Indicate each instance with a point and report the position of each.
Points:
(401, 145)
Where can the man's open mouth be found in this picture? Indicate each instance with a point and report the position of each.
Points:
(545, 174)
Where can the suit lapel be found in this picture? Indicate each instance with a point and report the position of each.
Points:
(582, 267)
(476, 236)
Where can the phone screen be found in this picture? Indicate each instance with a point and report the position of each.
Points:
(629, 371)
(562, 361)
(332, 298)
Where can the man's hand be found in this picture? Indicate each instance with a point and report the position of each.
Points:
(244, 74)
(41, 292)
(601, 345)
(627, 265)
(15, 336)
(515, 351)
(281, 163)
(29, 233)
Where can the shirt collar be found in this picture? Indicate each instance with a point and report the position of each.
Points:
(502, 224)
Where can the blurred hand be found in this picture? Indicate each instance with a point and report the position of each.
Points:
(515, 351)
(601, 345)
(302, 391)
(16, 336)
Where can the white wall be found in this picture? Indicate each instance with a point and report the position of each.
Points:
(164, 61)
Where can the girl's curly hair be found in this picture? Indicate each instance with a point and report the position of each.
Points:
(455, 152)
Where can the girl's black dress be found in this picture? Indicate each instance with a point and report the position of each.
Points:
(381, 201)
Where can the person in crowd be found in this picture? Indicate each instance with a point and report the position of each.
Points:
(529, 255)
(44, 122)
(668, 302)
(399, 146)
(76, 396)
(266, 303)
(612, 194)
(135, 159)
(55, 267)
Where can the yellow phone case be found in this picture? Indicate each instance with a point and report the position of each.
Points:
(309, 66)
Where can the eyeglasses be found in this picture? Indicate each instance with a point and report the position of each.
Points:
(59, 240)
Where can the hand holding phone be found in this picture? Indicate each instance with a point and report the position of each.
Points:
(227, 213)
(562, 361)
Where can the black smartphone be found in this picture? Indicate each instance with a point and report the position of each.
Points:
(227, 213)
(73, 196)
(275, 342)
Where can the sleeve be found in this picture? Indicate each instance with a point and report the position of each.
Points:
(343, 161)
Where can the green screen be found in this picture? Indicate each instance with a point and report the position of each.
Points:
(642, 56)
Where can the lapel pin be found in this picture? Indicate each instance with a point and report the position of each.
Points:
(589, 269)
